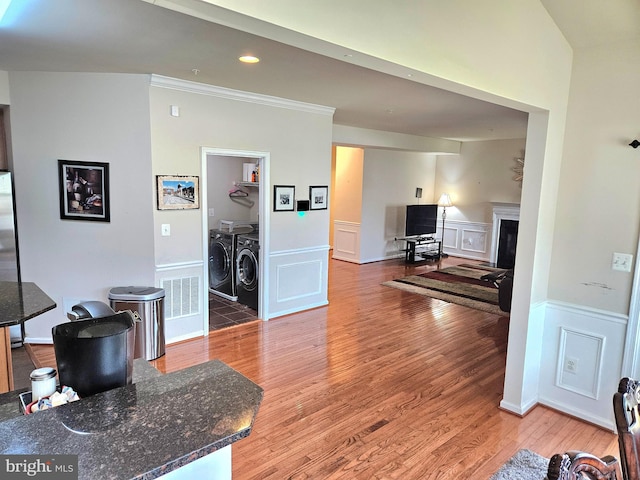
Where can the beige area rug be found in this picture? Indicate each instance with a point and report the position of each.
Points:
(461, 284)
(524, 465)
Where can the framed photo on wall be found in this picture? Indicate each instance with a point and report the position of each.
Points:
(318, 197)
(283, 198)
(178, 192)
(84, 190)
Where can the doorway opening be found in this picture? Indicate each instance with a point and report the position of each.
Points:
(234, 223)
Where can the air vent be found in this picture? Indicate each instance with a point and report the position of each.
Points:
(182, 297)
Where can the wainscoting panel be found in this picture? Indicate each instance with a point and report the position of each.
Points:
(466, 239)
(298, 280)
(581, 361)
(346, 241)
(184, 303)
(580, 352)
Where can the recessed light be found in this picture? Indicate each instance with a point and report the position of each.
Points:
(249, 59)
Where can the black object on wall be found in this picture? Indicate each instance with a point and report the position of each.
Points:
(507, 239)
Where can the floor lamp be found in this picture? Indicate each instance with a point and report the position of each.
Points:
(444, 202)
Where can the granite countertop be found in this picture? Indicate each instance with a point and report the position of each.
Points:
(10, 403)
(20, 301)
(145, 429)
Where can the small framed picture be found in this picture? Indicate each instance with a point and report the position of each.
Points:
(178, 192)
(84, 190)
(283, 198)
(318, 197)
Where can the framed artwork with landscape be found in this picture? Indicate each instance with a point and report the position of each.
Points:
(178, 192)
(84, 190)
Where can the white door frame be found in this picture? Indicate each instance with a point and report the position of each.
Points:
(263, 212)
(631, 354)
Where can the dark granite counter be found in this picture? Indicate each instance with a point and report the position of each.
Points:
(10, 404)
(21, 301)
(143, 430)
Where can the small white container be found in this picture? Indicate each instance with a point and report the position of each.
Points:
(43, 382)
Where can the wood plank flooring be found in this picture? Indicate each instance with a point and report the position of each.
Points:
(381, 384)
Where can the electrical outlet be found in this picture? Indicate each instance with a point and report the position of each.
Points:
(571, 364)
(622, 262)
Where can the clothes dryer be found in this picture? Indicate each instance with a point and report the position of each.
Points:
(222, 255)
(248, 248)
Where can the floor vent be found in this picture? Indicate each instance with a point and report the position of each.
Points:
(182, 297)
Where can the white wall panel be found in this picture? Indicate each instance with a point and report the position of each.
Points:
(346, 242)
(297, 280)
(465, 239)
(593, 340)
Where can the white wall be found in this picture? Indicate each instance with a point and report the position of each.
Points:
(223, 173)
(599, 203)
(390, 182)
(298, 140)
(482, 173)
(89, 117)
(598, 211)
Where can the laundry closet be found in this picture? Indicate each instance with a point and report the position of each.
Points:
(233, 205)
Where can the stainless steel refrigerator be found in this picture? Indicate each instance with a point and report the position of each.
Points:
(9, 263)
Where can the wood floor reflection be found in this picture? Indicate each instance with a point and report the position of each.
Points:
(381, 383)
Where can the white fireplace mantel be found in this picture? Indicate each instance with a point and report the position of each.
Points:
(501, 211)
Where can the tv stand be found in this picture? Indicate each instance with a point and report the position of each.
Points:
(424, 247)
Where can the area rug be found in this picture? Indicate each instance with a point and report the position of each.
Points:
(524, 465)
(460, 284)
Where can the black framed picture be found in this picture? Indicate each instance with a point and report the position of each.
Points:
(178, 192)
(84, 190)
(283, 198)
(318, 197)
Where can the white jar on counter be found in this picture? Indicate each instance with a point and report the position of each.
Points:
(43, 382)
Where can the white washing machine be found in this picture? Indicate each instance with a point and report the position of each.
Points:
(247, 255)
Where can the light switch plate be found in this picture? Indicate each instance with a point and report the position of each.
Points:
(622, 262)
(166, 229)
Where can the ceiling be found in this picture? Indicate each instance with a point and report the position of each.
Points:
(132, 36)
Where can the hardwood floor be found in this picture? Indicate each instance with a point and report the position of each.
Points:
(381, 384)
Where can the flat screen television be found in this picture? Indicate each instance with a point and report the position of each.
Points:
(421, 220)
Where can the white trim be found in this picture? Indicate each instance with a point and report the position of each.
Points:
(501, 211)
(238, 95)
(187, 336)
(517, 409)
(583, 415)
(38, 340)
(582, 310)
(296, 310)
(179, 266)
(321, 248)
(631, 354)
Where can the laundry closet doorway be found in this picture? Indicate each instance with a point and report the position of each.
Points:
(234, 194)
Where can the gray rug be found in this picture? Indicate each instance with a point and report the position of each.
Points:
(524, 465)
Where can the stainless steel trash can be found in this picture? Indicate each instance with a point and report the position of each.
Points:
(148, 303)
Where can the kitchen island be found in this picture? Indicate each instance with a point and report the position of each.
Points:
(19, 302)
(171, 426)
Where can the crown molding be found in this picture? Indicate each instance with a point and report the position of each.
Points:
(230, 94)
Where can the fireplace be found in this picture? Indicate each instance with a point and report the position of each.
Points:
(506, 218)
